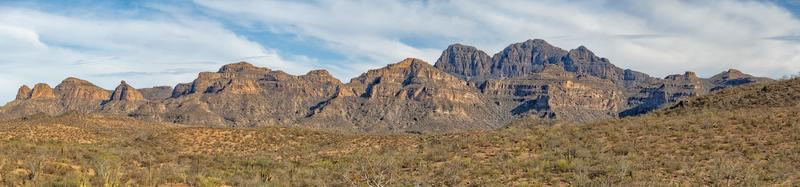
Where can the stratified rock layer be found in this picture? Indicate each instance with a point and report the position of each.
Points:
(520, 68)
(409, 96)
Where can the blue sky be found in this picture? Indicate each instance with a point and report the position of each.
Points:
(151, 43)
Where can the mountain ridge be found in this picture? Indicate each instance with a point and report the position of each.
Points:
(464, 89)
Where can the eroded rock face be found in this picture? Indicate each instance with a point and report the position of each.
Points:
(125, 92)
(523, 58)
(156, 93)
(23, 93)
(674, 88)
(516, 68)
(554, 93)
(42, 91)
(80, 95)
(732, 78)
(39, 100)
(408, 96)
(124, 99)
(465, 62)
(243, 95)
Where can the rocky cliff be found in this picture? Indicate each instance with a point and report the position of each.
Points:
(516, 77)
(408, 96)
(554, 93)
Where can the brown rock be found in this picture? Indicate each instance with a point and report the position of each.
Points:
(125, 92)
(124, 100)
(554, 93)
(23, 93)
(410, 95)
(156, 93)
(42, 91)
(241, 94)
(74, 88)
(80, 95)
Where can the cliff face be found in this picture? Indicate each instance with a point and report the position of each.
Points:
(465, 62)
(674, 88)
(124, 100)
(591, 89)
(409, 96)
(243, 95)
(156, 93)
(553, 93)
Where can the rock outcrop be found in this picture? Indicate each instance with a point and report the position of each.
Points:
(123, 100)
(553, 93)
(243, 95)
(125, 92)
(23, 93)
(674, 88)
(518, 69)
(409, 96)
(466, 62)
(156, 93)
(80, 95)
(42, 91)
(732, 78)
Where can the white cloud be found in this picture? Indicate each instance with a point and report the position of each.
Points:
(657, 37)
(46, 47)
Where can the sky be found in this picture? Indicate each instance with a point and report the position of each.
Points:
(153, 43)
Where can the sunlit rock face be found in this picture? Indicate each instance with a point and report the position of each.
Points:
(407, 96)
(594, 89)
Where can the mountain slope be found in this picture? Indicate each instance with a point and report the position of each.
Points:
(712, 143)
(408, 96)
(784, 93)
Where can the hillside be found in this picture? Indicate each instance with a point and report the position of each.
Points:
(783, 94)
(729, 138)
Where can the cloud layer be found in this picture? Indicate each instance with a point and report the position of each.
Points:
(47, 47)
(657, 37)
(167, 44)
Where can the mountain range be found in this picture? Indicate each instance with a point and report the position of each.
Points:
(464, 89)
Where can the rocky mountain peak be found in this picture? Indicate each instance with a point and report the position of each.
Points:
(240, 67)
(690, 74)
(396, 78)
(732, 74)
(464, 61)
(125, 92)
(409, 62)
(320, 73)
(582, 53)
(686, 76)
(74, 81)
(520, 59)
(43, 91)
(23, 93)
(320, 76)
(537, 42)
(74, 88)
(734, 77)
